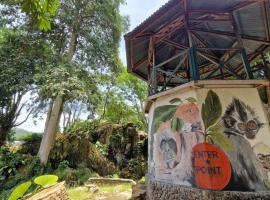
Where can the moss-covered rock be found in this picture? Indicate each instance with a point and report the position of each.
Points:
(76, 149)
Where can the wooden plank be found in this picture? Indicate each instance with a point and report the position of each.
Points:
(245, 4)
(174, 44)
(228, 34)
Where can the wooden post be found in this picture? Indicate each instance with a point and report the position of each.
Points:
(194, 70)
(155, 75)
(246, 63)
(242, 48)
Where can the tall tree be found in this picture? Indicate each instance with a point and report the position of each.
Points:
(86, 33)
(134, 90)
(20, 57)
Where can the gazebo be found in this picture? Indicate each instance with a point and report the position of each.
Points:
(208, 84)
(200, 40)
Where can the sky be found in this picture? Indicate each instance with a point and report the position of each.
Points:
(138, 11)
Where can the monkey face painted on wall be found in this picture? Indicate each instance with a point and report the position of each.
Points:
(241, 123)
(241, 119)
(169, 150)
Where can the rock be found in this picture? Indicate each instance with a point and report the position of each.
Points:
(78, 149)
(139, 192)
(55, 192)
(109, 181)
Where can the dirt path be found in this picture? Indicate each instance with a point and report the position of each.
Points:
(113, 196)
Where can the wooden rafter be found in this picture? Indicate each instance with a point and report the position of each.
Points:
(244, 4)
(266, 20)
(174, 44)
(168, 29)
(146, 25)
(224, 33)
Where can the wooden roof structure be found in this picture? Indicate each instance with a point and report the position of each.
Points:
(189, 40)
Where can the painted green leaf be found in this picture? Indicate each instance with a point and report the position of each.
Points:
(20, 191)
(177, 124)
(215, 135)
(46, 180)
(191, 99)
(162, 114)
(211, 109)
(176, 100)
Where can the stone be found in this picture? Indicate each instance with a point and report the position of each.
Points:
(165, 191)
(139, 192)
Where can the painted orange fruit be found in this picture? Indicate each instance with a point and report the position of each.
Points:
(189, 112)
(212, 168)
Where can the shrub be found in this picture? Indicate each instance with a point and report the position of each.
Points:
(9, 163)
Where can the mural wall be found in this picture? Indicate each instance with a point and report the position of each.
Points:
(215, 139)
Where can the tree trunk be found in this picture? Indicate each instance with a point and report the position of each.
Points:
(50, 129)
(3, 134)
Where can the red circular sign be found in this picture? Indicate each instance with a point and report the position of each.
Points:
(212, 167)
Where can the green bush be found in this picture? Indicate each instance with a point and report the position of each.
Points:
(31, 137)
(103, 148)
(9, 163)
(74, 177)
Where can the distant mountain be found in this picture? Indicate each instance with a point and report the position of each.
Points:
(20, 133)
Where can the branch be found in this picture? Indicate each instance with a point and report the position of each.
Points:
(18, 124)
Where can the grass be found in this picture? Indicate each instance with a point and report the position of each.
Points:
(82, 193)
(79, 193)
(114, 188)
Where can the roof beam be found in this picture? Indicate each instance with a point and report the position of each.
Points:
(204, 11)
(174, 44)
(245, 4)
(223, 33)
(150, 21)
(140, 62)
(266, 17)
(169, 28)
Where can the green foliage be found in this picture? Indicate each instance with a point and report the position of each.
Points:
(30, 137)
(216, 136)
(136, 169)
(41, 11)
(20, 191)
(142, 180)
(21, 55)
(211, 113)
(191, 99)
(211, 109)
(74, 176)
(46, 180)
(103, 148)
(176, 101)
(34, 167)
(9, 163)
(177, 124)
(41, 181)
(162, 114)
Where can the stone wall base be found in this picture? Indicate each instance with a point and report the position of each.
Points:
(158, 191)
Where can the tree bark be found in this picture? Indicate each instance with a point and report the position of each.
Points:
(49, 134)
(3, 134)
(53, 121)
